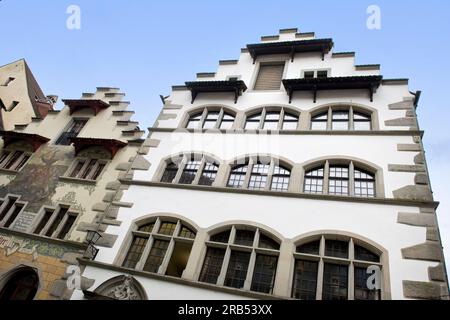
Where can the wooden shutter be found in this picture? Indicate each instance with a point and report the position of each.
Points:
(269, 77)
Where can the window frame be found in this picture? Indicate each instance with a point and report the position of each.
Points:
(350, 109)
(56, 234)
(351, 262)
(183, 160)
(352, 167)
(223, 111)
(269, 62)
(254, 250)
(154, 235)
(65, 132)
(8, 210)
(14, 167)
(82, 171)
(282, 112)
(250, 163)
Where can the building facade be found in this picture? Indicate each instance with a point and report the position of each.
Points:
(289, 173)
(56, 173)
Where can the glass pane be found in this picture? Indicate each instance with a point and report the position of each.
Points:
(237, 177)
(147, 227)
(221, 237)
(314, 181)
(135, 252)
(156, 255)
(167, 228)
(227, 121)
(185, 232)
(362, 254)
(237, 269)
(253, 121)
(208, 175)
(189, 172)
(322, 74)
(264, 273)
(319, 122)
(309, 248)
(335, 248)
(244, 237)
(364, 184)
(290, 122)
(212, 265)
(308, 74)
(362, 291)
(338, 184)
(194, 121)
(211, 120)
(170, 173)
(305, 280)
(268, 243)
(335, 282)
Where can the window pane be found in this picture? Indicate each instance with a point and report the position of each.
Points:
(55, 224)
(267, 242)
(147, 227)
(338, 184)
(194, 121)
(72, 132)
(135, 252)
(170, 173)
(3, 157)
(189, 172)
(221, 237)
(258, 178)
(335, 282)
(212, 265)
(22, 162)
(272, 120)
(98, 171)
(211, 120)
(305, 280)
(364, 184)
(322, 74)
(340, 120)
(227, 121)
(335, 248)
(237, 269)
(156, 255)
(308, 74)
(253, 121)
(309, 248)
(12, 160)
(314, 181)
(67, 226)
(362, 291)
(319, 122)
(208, 175)
(45, 219)
(185, 232)
(244, 237)
(167, 228)
(290, 121)
(362, 254)
(362, 121)
(280, 179)
(88, 169)
(264, 273)
(237, 176)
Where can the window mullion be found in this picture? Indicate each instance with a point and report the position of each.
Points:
(201, 122)
(83, 168)
(141, 263)
(330, 119)
(326, 177)
(219, 119)
(60, 226)
(93, 169)
(181, 166)
(320, 270)
(281, 119)
(226, 258)
(270, 175)
(199, 172)
(248, 173)
(351, 123)
(262, 121)
(351, 179)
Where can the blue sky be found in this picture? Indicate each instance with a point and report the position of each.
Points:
(145, 47)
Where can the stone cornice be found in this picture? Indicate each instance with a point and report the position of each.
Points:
(207, 286)
(295, 132)
(380, 201)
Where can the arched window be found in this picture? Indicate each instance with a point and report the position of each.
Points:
(241, 257)
(342, 118)
(334, 268)
(211, 118)
(161, 245)
(335, 178)
(272, 119)
(191, 169)
(22, 285)
(258, 174)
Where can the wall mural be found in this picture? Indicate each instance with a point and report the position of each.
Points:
(37, 181)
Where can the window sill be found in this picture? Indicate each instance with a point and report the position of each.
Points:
(80, 181)
(8, 171)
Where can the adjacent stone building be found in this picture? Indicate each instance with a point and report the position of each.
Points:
(288, 173)
(58, 176)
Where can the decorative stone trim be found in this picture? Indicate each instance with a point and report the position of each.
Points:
(107, 240)
(416, 192)
(406, 168)
(368, 67)
(402, 105)
(343, 55)
(206, 75)
(437, 273)
(421, 179)
(166, 116)
(100, 207)
(409, 147)
(401, 122)
(428, 251)
(270, 38)
(140, 163)
(417, 219)
(113, 185)
(228, 62)
(170, 106)
(124, 166)
(424, 290)
(419, 159)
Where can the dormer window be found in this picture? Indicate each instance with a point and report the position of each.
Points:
(72, 131)
(269, 76)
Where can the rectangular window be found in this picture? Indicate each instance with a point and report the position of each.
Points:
(67, 226)
(87, 169)
(264, 273)
(135, 252)
(13, 216)
(170, 173)
(338, 249)
(244, 237)
(9, 204)
(258, 178)
(189, 172)
(237, 269)
(319, 122)
(71, 132)
(322, 74)
(305, 280)
(45, 219)
(56, 222)
(208, 175)
(156, 255)
(335, 282)
(314, 181)
(362, 292)
(269, 76)
(13, 160)
(308, 74)
(340, 120)
(212, 265)
(179, 259)
(237, 177)
(167, 228)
